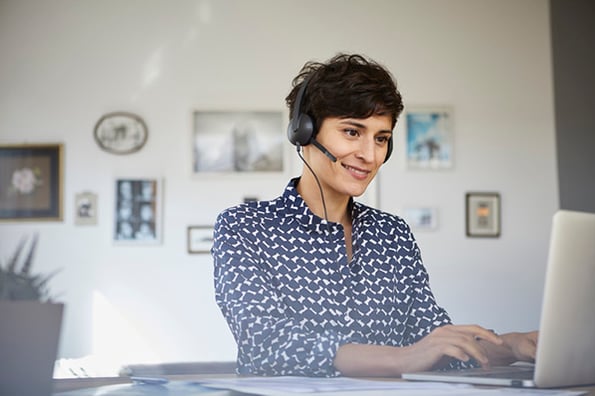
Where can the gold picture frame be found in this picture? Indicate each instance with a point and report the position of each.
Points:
(31, 182)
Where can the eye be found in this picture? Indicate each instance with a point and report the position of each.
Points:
(351, 132)
(382, 139)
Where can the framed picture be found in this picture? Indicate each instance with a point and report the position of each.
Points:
(236, 141)
(85, 204)
(421, 218)
(120, 133)
(200, 239)
(31, 182)
(137, 217)
(429, 138)
(483, 214)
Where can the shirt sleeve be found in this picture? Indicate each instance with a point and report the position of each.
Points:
(425, 315)
(269, 341)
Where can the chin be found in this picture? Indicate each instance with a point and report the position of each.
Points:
(356, 192)
(353, 188)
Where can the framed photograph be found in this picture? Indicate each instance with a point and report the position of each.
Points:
(236, 141)
(200, 239)
(31, 182)
(429, 137)
(483, 214)
(85, 204)
(250, 199)
(137, 217)
(421, 218)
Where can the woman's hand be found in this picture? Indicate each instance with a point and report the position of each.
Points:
(435, 350)
(444, 343)
(523, 346)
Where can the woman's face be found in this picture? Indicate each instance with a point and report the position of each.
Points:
(360, 146)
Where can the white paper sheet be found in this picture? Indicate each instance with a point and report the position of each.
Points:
(284, 386)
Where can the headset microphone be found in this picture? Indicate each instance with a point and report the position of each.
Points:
(324, 150)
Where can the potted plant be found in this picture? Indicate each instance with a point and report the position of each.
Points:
(30, 325)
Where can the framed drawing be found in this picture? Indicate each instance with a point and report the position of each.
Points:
(200, 239)
(85, 205)
(137, 217)
(482, 214)
(421, 218)
(31, 182)
(236, 141)
(429, 136)
(120, 133)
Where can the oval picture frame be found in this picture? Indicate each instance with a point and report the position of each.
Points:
(120, 133)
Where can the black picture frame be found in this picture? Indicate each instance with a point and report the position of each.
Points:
(483, 217)
(199, 239)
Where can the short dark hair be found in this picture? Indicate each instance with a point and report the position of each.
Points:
(346, 86)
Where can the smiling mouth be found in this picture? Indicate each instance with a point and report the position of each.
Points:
(357, 171)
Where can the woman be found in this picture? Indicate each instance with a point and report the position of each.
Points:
(314, 283)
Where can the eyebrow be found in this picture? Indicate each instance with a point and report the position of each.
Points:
(362, 126)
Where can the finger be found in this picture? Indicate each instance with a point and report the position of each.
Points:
(478, 353)
(481, 333)
(529, 349)
(465, 352)
(490, 336)
(468, 345)
(456, 353)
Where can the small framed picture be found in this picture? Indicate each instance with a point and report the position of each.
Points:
(429, 135)
(137, 217)
(31, 182)
(250, 199)
(85, 204)
(200, 239)
(421, 218)
(482, 214)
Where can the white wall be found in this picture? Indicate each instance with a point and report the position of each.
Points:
(64, 63)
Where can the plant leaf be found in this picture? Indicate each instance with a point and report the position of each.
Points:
(13, 260)
(29, 260)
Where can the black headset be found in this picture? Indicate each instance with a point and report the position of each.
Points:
(301, 130)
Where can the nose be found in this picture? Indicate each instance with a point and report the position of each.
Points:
(367, 150)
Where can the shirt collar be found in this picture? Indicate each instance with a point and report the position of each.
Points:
(297, 208)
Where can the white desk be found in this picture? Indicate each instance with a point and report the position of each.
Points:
(85, 385)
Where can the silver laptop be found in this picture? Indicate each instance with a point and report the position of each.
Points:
(566, 347)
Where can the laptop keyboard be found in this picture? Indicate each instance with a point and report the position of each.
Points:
(509, 372)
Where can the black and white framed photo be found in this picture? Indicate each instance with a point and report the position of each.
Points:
(200, 239)
(238, 141)
(137, 217)
(482, 214)
(85, 204)
(430, 137)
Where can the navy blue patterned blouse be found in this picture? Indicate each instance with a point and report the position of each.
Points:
(291, 298)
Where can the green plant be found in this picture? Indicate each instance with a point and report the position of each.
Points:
(17, 282)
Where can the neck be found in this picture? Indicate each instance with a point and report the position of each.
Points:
(336, 204)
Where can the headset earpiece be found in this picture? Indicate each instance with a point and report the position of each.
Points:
(300, 130)
(389, 148)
